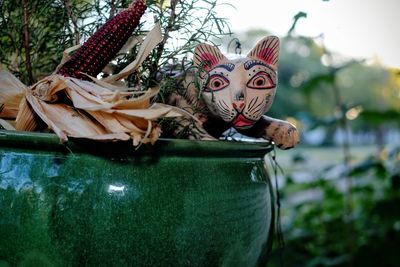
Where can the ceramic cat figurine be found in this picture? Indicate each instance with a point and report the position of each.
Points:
(236, 93)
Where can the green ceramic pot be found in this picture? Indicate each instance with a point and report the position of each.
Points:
(177, 203)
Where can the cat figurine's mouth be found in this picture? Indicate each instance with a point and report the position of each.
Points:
(241, 122)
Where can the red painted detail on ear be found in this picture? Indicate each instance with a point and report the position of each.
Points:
(209, 60)
(267, 55)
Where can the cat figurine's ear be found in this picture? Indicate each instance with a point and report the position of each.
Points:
(267, 50)
(207, 56)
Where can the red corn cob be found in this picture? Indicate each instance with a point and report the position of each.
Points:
(105, 43)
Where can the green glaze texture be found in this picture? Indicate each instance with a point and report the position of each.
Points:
(177, 203)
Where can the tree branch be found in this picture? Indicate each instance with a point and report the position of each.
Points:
(74, 20)
(26, 38)
(112, 8)
(161, 46)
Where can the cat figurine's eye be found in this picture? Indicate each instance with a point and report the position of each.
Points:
(261, 80)
(216, 82)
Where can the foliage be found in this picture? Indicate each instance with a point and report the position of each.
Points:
(48, 36)
(318, 229)
(339, 214)
(54, 26)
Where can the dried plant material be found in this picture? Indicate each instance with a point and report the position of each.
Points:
(131, 43)
(26, 120)
(97, 109)
(12, 91)
(76, 108)
(153, 38)
(64, 120)
(66, 56)
(6, 125)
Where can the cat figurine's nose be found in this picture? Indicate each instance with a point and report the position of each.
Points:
(238, 106)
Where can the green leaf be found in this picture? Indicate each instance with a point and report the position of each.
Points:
(314, 82)
(378, 117)
(370, 163)
(395, 181)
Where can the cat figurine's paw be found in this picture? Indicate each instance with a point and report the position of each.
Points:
(285, 136)
(282, 133)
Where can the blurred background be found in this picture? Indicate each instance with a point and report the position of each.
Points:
(339, 82)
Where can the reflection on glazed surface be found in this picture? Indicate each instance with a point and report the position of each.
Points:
(60, 209)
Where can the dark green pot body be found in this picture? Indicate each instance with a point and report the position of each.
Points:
(178, 203)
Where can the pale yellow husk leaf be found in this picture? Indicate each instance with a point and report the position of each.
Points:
(7, 125)
(90, 116)
(26, 120)
(12, 91)
(153, 38)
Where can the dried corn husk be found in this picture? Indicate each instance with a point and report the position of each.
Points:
(66, 56)
(153, 38)
(26, 120)
(7, 125)
(12, 91)
(90, 116)
(98, 110)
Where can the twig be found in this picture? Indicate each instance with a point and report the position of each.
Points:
(112, 8)
(160, 48)
(73, 19)
(195, 34)
(28, 63)
(349, 183)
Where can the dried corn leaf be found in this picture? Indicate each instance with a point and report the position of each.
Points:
(113, 86)
(151, 113)
(109, 137)
(12, 91)
(75, 108)
(112, 122)
(6, 125)
(131, 43)
(65, 120)
(153, 38)
(91, 100)
(27, 120)
(66, 56)
(47, 88)
(142, 101)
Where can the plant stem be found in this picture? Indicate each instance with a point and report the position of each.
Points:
(195, 34)
(160, 48)
(346, 161)
(73, 19)
(112, 8)
(26, 38)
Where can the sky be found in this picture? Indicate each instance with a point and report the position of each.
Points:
(367, 29)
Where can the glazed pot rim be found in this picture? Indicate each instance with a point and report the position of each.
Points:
(177, 147)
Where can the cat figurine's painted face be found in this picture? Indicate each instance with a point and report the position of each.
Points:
(239, 91)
